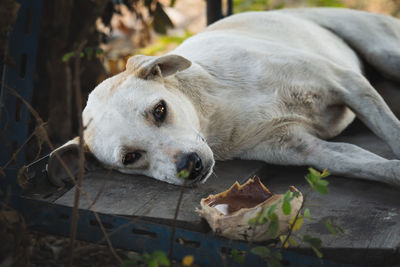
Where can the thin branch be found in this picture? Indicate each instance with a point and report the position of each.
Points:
(78, 103)
(295, 219)
(15, 153)
(178, 204)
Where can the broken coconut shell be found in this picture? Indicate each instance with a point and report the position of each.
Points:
(228, 213)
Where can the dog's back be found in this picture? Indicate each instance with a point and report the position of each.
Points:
(333, 34)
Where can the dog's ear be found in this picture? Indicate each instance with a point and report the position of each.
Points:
(69, 155)
(147, 67)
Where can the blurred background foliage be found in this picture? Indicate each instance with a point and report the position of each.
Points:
(187, 17)
(391, 7)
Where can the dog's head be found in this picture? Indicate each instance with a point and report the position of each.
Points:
(136, 124)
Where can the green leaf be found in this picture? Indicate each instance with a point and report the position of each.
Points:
(67, 56)
(286, 207)
(311, 180)
(323, 190)
(271, 209)
(317, 252)
(340, 229)
(99, 51)
(326, 3)
(292, 241)
(298, 223)
(238, 256)
(261, 218)
(261, 251)
(172, 4)
(273, 217)
(273, 228)
(315, 179)
(89, 52)
(330, 227)
(161, 257)
(312, 241)
(325, 173)
(252, 221)
(307, 214)
(314, 173)
(152, 263)
(322, 182)
(315, 244)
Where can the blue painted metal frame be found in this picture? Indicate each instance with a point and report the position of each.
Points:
(143, 236)
(14, 120)
(124, 232)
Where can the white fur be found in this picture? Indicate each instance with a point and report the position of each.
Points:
(268, 86)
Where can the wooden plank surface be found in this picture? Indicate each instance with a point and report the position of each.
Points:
(146, 197)
(369, 212)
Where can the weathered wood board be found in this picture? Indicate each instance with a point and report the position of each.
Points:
(369, 212)
(143, 196)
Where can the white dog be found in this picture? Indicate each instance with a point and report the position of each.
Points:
(266, 86)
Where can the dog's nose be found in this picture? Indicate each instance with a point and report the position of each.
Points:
(192, 163)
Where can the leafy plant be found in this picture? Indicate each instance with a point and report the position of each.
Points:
(162, 44)
(238, 255)
(318, 184)
(316, 181)
(273, 258)
(155, 259)
(326, 3)
(260, 5)
(88, 51)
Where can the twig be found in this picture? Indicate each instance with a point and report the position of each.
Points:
(178, 204)
(15, 153)
(294, 221)
(78, 100)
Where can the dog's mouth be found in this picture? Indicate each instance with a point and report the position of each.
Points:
(198, 178)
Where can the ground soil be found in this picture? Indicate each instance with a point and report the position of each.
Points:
(50, 250)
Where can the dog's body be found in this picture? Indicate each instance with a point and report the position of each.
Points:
(270, 86)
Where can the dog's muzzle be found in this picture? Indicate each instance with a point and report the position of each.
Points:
(192, 163)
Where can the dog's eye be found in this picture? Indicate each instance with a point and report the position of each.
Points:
(130, 158)
(160, 111)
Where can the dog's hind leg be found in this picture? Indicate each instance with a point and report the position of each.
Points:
(345, 159)
(358, 94)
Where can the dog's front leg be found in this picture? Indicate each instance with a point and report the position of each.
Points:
(345, 159)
